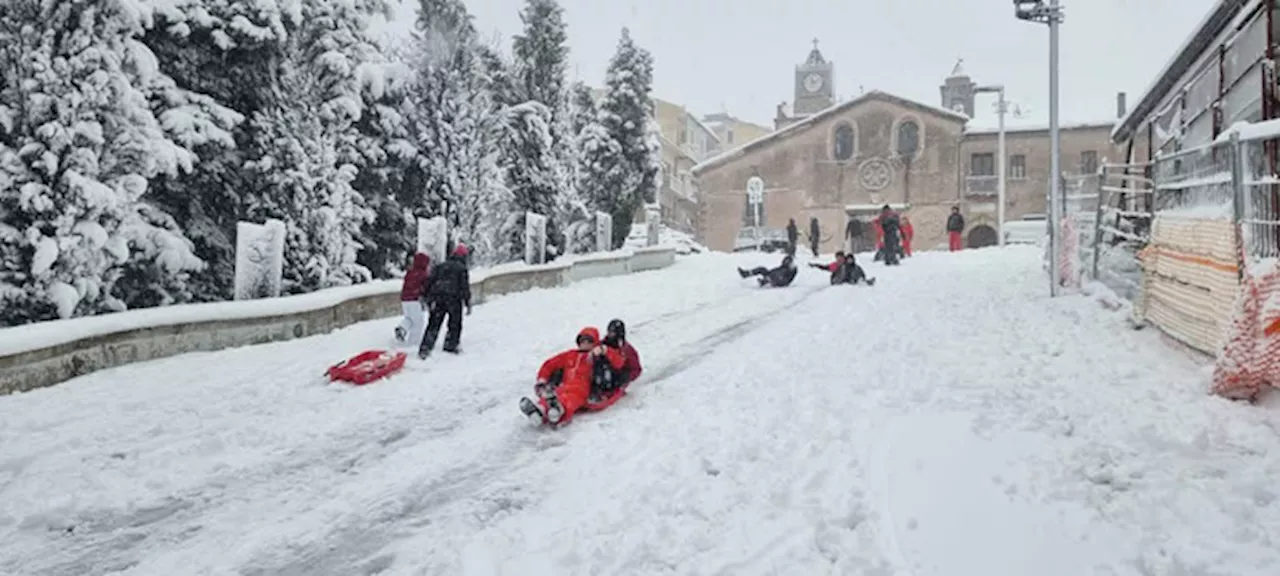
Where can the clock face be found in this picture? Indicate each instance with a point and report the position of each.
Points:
(958, 106)
(813, 82)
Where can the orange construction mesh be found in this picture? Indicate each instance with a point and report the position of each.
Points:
(1250, 361)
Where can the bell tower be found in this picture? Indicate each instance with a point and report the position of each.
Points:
(814, 90)
(958, 91)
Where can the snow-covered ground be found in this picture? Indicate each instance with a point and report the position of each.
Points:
(950, 420)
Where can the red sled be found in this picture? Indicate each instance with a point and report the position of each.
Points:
(367, 366)
(605, 401)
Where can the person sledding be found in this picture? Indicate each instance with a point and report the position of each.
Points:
(608, 384)
(447, 291)
(411, 327)
(778, 277)
(845, 270)
(564, 380)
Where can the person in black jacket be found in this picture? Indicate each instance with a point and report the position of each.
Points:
(891, 223)
(845, 270)
(853, 234)
(955, 229)
(447, 291)
(778, 277)
(793, 236)
(815, 235)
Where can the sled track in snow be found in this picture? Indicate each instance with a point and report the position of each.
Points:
(347, 549)
(111, 540)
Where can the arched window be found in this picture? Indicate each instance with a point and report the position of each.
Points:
(842, 147)
(908, 140)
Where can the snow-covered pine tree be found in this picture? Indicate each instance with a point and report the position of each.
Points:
(531, 170)
(626, 114)
(390, 171)
(304, 175)
(582, 108)
(457, 131)
(541, 59)
(79, 140)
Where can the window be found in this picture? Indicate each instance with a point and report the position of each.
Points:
(1017, 166)
(749, 217)
(728, 136)
(982, 164)
(842, 148)
(1088, 162)
(908, 140)
(684, 137)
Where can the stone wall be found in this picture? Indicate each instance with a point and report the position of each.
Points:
(45, 354)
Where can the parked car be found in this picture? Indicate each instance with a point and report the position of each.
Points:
(769, 240)
(1032, 229)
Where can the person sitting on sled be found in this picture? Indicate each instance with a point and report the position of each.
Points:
(607, 381)
(778, 277)
(411, 325)
(845, 270)
(575, 368)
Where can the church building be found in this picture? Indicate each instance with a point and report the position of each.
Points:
(837, 161)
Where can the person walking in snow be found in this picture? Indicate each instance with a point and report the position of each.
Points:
(815, 235)
(908, 233)
(793, 236)
(955, 229)
(564, 380)
(778, 277)
(411, 327)
(891, 229)
(853, 234)
(447, 291)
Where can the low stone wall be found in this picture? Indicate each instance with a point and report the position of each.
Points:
(44, 354)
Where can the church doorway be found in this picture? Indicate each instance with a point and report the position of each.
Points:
(982, 236)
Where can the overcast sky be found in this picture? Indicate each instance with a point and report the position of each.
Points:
(739, 56)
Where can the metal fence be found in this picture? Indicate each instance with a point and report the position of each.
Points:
(1259, 200)
(1121, 227)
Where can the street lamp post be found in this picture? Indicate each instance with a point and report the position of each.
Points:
(1001, 108)
(1051, 14)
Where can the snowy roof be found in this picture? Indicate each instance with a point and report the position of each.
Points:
(702, 125)
(993, 130)
(1201, 38)
(958, 71)
(813, 119)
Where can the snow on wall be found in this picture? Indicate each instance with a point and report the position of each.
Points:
(43, 354)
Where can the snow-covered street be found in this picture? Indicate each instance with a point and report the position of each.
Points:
(951, 420)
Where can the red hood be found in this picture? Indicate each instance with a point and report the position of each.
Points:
(421, 261)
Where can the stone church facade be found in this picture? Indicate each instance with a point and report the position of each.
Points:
(837, 161)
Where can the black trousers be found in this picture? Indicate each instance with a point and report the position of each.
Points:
(442, 309)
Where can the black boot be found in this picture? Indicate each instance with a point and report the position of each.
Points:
(744, 273)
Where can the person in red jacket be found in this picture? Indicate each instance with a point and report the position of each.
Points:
(875, 224)
(411, 325)
(908, 232)
(575, 368)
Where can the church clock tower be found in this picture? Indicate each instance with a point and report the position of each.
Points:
(958, 91)
(814, 90)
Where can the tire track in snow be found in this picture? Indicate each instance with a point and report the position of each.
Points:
(352, 548)
(103, 541)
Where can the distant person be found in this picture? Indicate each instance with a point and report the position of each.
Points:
(908, 232)
(955, 229)
(853, 234)
(890, 224)
(815, 235)
(793, 236)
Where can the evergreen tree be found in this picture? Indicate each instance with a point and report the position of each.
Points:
(86, 120)
(541, 61)
(626, 114)
(458, 131)
(531, 169)
(303, 175)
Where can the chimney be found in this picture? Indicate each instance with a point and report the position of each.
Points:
(1121, 109)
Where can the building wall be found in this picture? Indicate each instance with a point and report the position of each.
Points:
(733, 132)
(803, 178)
(1026, 193)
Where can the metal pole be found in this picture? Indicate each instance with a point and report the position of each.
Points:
(1238, 201)
(1055, 153)
(757, 219)
(1000, 166)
